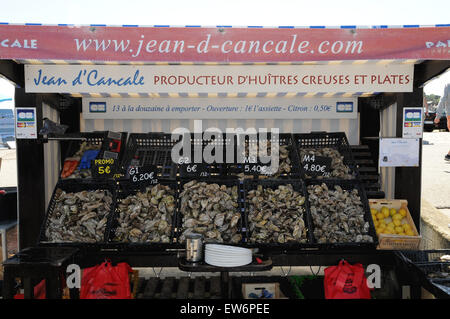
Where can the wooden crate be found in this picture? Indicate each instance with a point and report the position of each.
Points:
(397, 242)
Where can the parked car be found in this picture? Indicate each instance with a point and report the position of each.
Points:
(429, 125)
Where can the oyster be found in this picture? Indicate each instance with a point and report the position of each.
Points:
(338, 215)
(276, 215)
(338, 168)
(83, 173)
(79, 217)
(211, 210)
(284, 163)
(146, 217)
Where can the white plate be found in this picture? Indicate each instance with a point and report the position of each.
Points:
(227, 264)
(226, 248)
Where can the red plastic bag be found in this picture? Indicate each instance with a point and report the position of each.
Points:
(39, 292)
(106, 281)
(346, 281)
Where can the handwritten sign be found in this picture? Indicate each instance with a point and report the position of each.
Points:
(316, 165)
(143, 174)
(103, 168)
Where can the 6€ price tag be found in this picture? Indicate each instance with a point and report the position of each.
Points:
(103, 168)
(194, 170)
(143, 174)
(316, 165)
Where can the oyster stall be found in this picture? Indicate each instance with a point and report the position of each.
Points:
(139, 149)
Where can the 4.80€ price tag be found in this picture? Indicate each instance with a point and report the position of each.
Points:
(316, 165)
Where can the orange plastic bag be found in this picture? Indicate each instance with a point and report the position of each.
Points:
(106, 281)
(346, 281)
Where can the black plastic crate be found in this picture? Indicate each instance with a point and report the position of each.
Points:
(125, 189)
(345, 185)
(102, 138)
(73, 186)
(334, 140)
(244, 169)
(219, 142)
(145, 149)
(298, 186)
(229, 182)
(440, 287)
(424, 256)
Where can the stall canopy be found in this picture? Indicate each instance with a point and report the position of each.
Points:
(223, 44)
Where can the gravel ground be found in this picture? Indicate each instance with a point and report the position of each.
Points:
(435, 170)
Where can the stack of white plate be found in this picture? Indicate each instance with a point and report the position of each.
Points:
(227, 256)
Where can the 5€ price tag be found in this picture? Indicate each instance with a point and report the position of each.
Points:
(103, 168)
(316, 165)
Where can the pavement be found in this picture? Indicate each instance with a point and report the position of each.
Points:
(436, 171)
(8, 168)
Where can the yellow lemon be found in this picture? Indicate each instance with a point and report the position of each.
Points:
(380, 216)
(398, 229)
(381, 224)
(392, 211)
(409, 232)
(375, 223)
(402, 212)
(391, 224)
(397, 222)
(385, 211)
(373, 211)
(402, 234)
(397, 217)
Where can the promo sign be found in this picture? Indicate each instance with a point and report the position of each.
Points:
(215, 108)
(218, 78)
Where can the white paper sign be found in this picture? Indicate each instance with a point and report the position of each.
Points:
(26, 126)
(398, 152)
(215, 108)
(412, 122)
(218, 78)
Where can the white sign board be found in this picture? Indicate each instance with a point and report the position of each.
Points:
(215, 108)
(26, 126)
(412, 122)
(398, 152)
(218, 78)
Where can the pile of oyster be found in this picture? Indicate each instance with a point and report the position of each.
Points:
(338, 168)
(146, 217)
(276, 215)
(284, 163)
(83, 173)
(210, 210)
(338, 215)
(79, 217)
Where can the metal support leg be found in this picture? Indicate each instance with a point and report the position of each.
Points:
(225, 280)
(4, 246)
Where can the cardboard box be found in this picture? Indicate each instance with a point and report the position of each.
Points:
(272, 288)
(397, 242)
